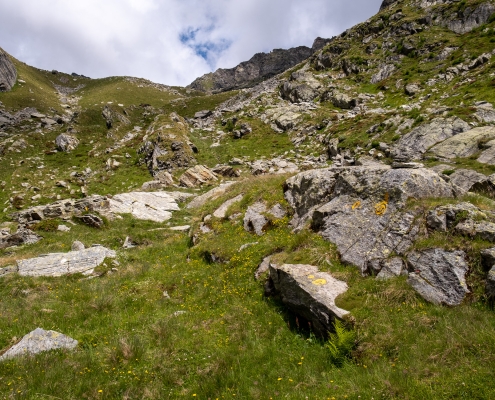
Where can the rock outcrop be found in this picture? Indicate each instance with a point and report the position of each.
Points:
(309, 293)
(464, 144)
(247, 74)
(39, 341)
(66, 142)
(8, 72)
(21, 237)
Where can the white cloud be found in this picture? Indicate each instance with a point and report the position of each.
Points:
(167, 41)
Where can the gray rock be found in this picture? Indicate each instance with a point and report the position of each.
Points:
(360, 209)
(59, 264)
(470, 18)
(488, 156)
(221, 212)
(8, 72)
(63, 228)
(485, 112)
(128, 243)
(226, 170)
(262, 268)
(484, 230)
(309, 293)
(254, 221)
(391, 268)
(342, 100)
(413, 145)
(466, 178)
(92, 220)
(464, 144)
(182, 228)
(387, 3)
(23, 236)
(77, 246)
(385, 72)
(439, 276)
(412, 89)
(39, 341)
(203, 114)
(155, 206)
(152, 185)
(488, 258)
(277, 211)
(210, 195)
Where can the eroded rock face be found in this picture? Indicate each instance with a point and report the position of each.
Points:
(59, 264)
(8, 72)
(254, 220)
(309, 293)
(221, 212)
(21, 237)
(66, 142)
(439, 276)
(413, 145)
(197, 176)
(464, 144)
(38, 341)
(155, 206)
(470, 18)
(361, 209)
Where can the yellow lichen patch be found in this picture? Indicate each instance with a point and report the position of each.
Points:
(311, 277)
(380, 208)
(356, 205)
(319, 282)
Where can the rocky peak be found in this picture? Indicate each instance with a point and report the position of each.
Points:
(8, 73)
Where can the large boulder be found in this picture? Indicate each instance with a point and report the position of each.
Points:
(197, 176)
(155, 206)
(309, 293)
(39, 341)
(466, 178)
(464, 144)
(361, 209)
(413, 145)
(469, 18)
(383, 73)
(439, 276)
(8, 72)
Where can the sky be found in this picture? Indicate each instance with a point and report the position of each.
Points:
(166, 41)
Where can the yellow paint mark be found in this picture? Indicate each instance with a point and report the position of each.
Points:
(380, 208)
(311, 277)
(320, 282)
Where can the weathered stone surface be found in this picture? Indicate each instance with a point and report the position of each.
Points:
(58, 264)
(385, 72)
(247, 74)
(301, 87)
(412, 89)
(391, 268)
(446, 217)
(92, 220)
(466, 178)
(21, 237)
(262, 268)
(39, 341)
(490, 284)
(203, 114)
(154, 206)
(221, 212)
(342, 100)
(8, 72)
(488, 156)
(226, 170)
(210, 195)
(484, 230)
(254, 220)
(77, 246)
(464, 144)
(197, 176)
(360, 208)
(488, 258)
(439, 276)
(309, 293)
(387, 3)
(485, 112)
(471, 18)
(413, 145)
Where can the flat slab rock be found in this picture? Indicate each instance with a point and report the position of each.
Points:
(59, 264)
(154, 206)
(38, 341)
(309, 293)
(439, 276)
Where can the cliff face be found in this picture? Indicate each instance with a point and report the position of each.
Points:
(262, 66)
(8, 73)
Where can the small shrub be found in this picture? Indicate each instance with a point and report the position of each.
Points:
(375, 144)
(47, 225)
(340, 343)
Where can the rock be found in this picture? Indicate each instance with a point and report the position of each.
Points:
(154, 206)
(464, 144)
(484, 230)
(203, 114)
(48, 122)
(470, 18)
(39, 341)
(8, 72)
(412, 89)
(197, 176)
(165, 178)
(485, 112)
(488, 156)
(247, 74)
(310, 294)
(183, 228)
(262, 268)
(446, 217)
(63, 228)
(221, 212)
(488, 258)
(319, 43)
(391, 268)
(490, 284)
(92, 220)
(77, 246)
(21, 237)
(66, 142)
(413, 145)
(152, 185)
(466, 178)
(112, 164)
(333, 147)
(277, 211)
(226, 170)
(342, 100)
(254, 221)
(387, 3)
(210, 195)
(439, 275)
(360, 209)
(287, 120)
(59, 264)
(385, 72)
(128, 243)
